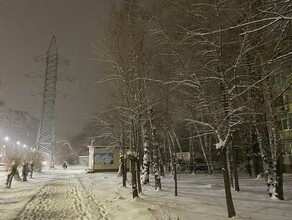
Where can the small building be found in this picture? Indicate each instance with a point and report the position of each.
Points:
(103, 159)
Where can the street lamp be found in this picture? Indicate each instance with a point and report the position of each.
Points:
(18, 143)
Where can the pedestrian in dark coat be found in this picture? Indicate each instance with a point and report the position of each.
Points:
(11, 174)
(64, 165)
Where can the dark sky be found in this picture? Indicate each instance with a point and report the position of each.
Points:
(26, 28)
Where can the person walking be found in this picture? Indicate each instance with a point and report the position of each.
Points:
(64, 165)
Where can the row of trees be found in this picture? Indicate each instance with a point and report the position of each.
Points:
(18, 156)
(196, 73)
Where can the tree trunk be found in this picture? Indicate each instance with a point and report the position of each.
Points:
(229, 201)
(235, 173)
(268, 171)
(248, 166)
(191, 163)
(279, 177)
(257, 159)
(125, 172)
(138, 150)
(11, 175)
(121, 164)
(275, 144)
(229, 164)
(133, 160)
(175, 174)
(138, 164)
(156, 165)
(146, 157)
(203, 149)
(173, 163)
(124, 165)
(210, 158)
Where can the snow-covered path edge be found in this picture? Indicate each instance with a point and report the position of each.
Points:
(13, 200)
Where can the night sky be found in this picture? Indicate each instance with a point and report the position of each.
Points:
(26, 28)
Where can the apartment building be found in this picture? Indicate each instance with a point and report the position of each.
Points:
(281, 83)
(18, 125)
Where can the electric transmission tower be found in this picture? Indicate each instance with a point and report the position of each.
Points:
(46, 133)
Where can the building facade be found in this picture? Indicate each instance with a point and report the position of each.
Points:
(281, 83)
(18, 125)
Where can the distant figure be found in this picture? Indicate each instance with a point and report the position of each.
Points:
(65, 165)
(25, 171)
(31, 167)
(11, 174)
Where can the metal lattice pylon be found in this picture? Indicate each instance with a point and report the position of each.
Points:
(46, 134)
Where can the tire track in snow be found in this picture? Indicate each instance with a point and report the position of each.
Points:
(63, 198)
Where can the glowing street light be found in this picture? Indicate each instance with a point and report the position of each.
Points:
(18, 142)
(6, 138)
(24, 146)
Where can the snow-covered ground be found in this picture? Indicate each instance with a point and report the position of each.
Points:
(74, 194)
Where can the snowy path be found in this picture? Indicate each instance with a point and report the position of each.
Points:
(63, 198)
(73, 194)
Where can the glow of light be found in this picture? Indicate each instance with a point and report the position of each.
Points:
(24, 145)
(18, 142)
(6, 138)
